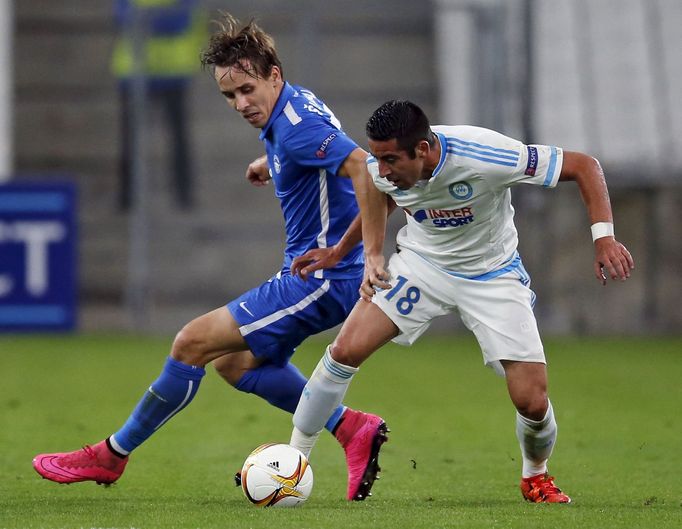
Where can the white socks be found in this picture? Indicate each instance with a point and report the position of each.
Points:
(323, 393)
(537, 440)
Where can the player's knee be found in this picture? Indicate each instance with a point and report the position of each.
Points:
(343, 353)
(533, 405)
(187, 347)
(229, 370)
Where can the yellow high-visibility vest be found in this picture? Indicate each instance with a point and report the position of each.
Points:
(165, 55)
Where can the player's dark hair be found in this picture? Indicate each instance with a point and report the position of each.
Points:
(234, 43)
(402, 120)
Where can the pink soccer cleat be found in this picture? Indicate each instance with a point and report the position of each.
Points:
(361, 435)
(92, 463)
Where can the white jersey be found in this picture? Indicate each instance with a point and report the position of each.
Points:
(461, 219)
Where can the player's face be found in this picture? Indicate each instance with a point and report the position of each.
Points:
(252, 96)
(395, 164)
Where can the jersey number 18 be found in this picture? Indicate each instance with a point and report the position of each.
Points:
(405, 303)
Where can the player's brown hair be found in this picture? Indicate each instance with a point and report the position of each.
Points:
(234, 43)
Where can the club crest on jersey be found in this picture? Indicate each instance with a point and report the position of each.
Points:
(461, 190)
(277, 164)
(443, 218)
(322, 150)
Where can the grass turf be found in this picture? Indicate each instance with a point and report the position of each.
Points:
(452, 459)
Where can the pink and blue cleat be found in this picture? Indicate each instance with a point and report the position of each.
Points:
(361, 435)
(91, 463)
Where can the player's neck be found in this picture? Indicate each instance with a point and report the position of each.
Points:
(432, 159)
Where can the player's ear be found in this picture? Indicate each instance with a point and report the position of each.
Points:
(275, 74)
(422, 149)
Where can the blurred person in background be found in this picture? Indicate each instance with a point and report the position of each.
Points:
(172, 32)
(251, 340)
(458, 253)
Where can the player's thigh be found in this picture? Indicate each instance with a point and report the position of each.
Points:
(207, 337)
(415, 298)
(366, 329)
(499, 312)
(275, 317)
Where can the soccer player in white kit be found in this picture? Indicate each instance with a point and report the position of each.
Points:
(458, 253)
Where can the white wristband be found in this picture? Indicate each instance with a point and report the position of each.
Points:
(601, 229)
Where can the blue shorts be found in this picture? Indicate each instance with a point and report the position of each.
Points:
(275, 317)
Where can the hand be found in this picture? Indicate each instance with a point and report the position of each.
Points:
(258, 172)
(315, 259)
(375, 277)
(612, 258)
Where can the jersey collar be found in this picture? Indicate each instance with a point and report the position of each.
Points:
(284, 96)
(443, 153)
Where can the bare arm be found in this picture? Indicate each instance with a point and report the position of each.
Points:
(610, 255)
(373, 210)
(319, 258)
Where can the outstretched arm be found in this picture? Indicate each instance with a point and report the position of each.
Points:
(321, 258)
(373, 210)
(609, 255)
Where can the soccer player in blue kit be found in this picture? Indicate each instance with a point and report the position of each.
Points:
(251, 340)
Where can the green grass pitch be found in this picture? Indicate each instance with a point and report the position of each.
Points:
(452, 459)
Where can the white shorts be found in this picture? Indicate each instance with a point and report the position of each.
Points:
(498, 309)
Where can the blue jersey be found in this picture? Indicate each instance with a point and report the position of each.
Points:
(306, 148)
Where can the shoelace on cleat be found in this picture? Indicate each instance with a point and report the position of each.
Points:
(546, 487)
(78, 460)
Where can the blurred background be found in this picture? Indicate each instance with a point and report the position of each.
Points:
(147, 177)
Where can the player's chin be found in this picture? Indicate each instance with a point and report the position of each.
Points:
(403, 186)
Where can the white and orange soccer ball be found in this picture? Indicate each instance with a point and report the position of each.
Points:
(276, 475)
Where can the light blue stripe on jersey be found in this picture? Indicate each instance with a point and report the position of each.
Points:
(512, 264)
(451, 150)
(491, 150)
(551, 168)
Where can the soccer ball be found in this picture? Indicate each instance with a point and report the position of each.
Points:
(276, 475)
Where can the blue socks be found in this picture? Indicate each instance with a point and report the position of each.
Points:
(281, 386)
(175, 388)
(171, 392)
